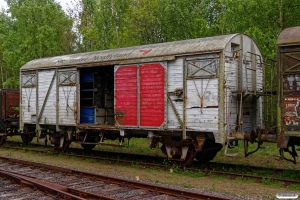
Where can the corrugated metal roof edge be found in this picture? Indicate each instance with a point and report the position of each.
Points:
(80, 56)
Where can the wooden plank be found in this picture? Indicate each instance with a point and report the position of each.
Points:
(175, 75)
(42, 79)
(126, 95)
(205, 89)
(175, 82)
(67, 105)
(28, 104)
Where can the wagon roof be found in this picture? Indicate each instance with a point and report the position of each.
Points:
(289, 36)
(163, 51)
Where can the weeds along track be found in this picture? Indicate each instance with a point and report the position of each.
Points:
(65, 183)
(258, 174)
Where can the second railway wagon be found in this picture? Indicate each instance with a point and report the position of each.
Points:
(288, 81)
(9, 113)
(190, 95)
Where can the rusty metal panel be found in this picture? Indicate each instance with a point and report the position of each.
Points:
(291, 62)
(289, 36)
(152, 95)
(291, 102)
(137, 54)
(10, 104)
(2, 100)
(291, 91)
(288, 62)
(126, 95)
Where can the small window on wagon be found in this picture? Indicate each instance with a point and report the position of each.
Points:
(66, 78)
(206, 68)
(28, 80)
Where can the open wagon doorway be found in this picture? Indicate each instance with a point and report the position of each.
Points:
(97, 95)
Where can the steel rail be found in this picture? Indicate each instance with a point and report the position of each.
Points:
(49, 189)
(207, 171)
(111, 180)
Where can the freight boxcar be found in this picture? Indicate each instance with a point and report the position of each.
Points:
(288, 104)
(9, 112)
(191, 96)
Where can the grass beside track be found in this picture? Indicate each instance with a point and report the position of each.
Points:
(267, 156)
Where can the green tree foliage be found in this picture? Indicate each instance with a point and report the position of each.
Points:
(183, 19)
(5, 26)
(99, 23)
(39, 28)
(110, 22)
(119, 23)
(142, 23)
(263, 20)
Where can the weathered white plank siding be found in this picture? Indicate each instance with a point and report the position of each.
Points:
(204, 88)
(172, 121)
(202, 115)
(247, 115)
(259, 113)
(205, 119)
(231, 99)
(28, 104)
(67, 105)
(231, 111)
(49, 113)
(231, 84)
(247, 107)
(175, 82)
(175, 74)
(248, 77)
(259, 77)
(231, 73)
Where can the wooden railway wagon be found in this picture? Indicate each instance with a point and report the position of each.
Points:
(190, 95)
(288, 81)
(9, 112)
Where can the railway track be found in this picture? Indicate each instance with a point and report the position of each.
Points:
(63, 183)
(232, 171)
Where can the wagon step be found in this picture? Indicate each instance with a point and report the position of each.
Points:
(228, 145)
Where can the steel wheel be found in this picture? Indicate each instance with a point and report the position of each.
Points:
(65, 146)
(88, 147)
(2, 139)
(188, 159)
(206, 156)
(27, 138)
